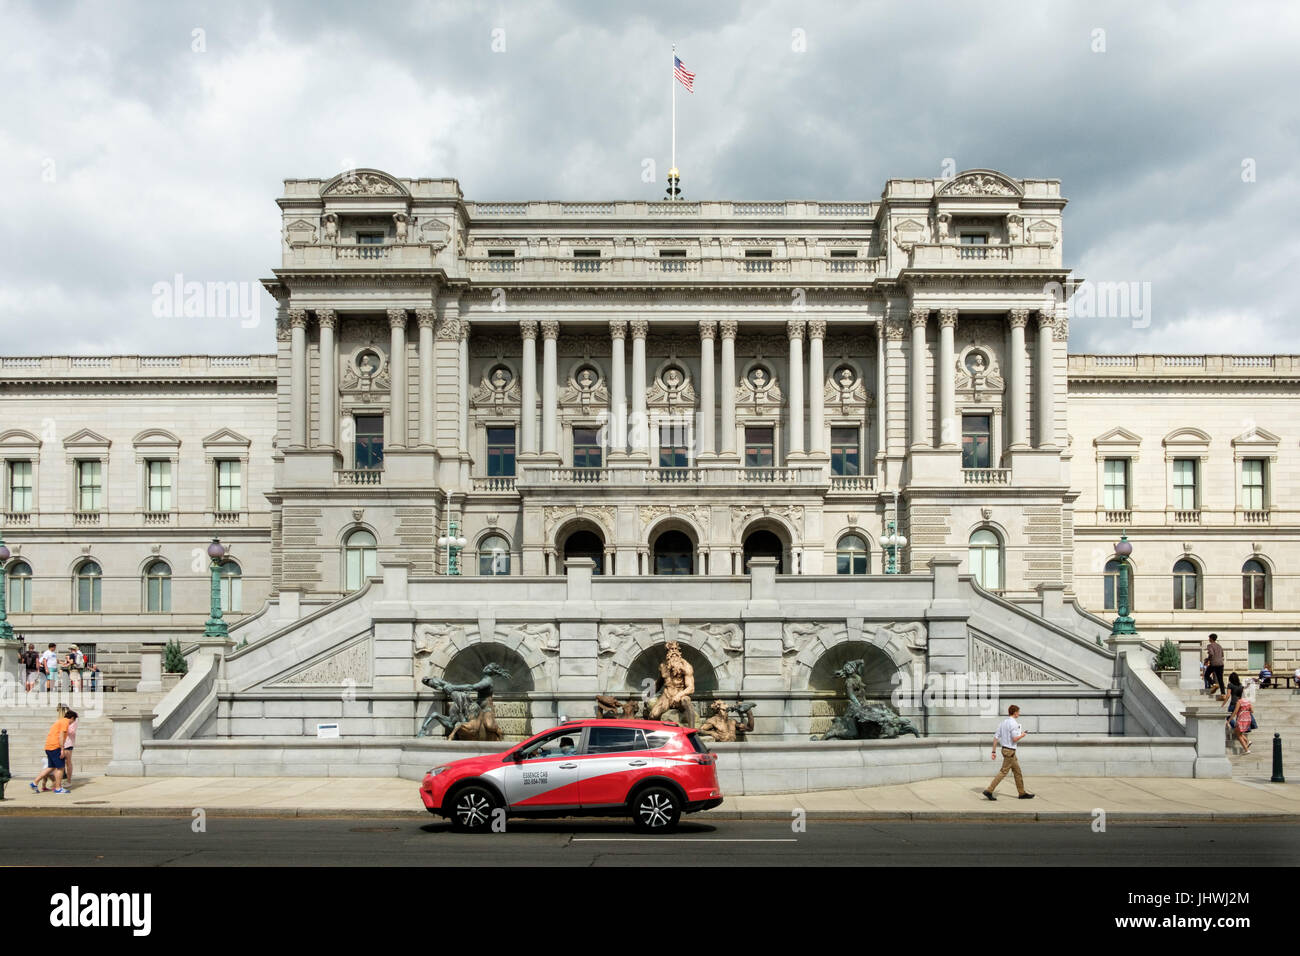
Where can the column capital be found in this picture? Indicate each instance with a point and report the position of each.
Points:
(918, 317)
(1046, 321)
(640, 328)
(449, 329)
(1062, 328)
(1018, 318)
(708, 329)
(618, 329)
(816, 328)
(728, 328)
(426, 318)
(550, 329)
(297, 318)
(947, 318)
(397, 319)
(528, 329)
(327, 318)
(464, 329)
(894, 329)
(794, 329)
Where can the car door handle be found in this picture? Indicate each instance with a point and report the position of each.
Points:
(568, 766)
(636, 763)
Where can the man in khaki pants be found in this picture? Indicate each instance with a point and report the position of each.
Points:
(1009, 735)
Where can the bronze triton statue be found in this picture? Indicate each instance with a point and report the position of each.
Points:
(728, 723)
(676, 686)
(864, 721)
(609, 706)
(468, 718)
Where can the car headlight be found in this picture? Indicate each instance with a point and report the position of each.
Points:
(437, 770)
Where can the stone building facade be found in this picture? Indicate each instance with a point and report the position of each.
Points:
(664, 388)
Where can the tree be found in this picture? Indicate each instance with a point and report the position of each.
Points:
(173, 659)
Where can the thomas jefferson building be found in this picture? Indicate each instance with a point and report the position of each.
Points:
(665, 388)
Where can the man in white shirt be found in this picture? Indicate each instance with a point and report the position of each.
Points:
(51, 660)
(1009, 735)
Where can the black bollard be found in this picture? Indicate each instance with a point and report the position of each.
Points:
(4, 761)
(1277, 760)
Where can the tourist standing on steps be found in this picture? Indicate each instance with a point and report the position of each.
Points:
(32, 665)
(1009, 735)
(1214, 662)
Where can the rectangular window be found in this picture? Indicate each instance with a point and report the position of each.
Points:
(20, 486)
(673, 451)
(1252, 484)
(759, 448)
(974, 238)
(500, 452)
(160, 486)
(1184, 484)
(758, 260)
(845, 458)
(369, 442)
(370, 239)
(672, 260)
(501, 260)
(586, 448)
(976, 441)
(586, 260)
(90, 488)
(1257, 655)
(1115, 487)
(230, 486)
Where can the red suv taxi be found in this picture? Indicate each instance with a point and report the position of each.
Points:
(649, 770)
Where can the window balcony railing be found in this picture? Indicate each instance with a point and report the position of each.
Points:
(18, 517)
(225, 517)
(548, 477)
(157, 517)
(986, 476)
(1121, 516)
(85, 518)
(359, 476)
(853, 483)
(1255, 516)
(1189, 516)
(495, 483)
(756, 264)
(673, 476)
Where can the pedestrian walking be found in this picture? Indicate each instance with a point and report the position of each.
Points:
(1008, 737)
(1214, 662)
(55, 741)
(31, 666)
(1241, 718)
(69, 742)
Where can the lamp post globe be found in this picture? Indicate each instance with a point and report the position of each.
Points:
(1123, 624)
(215, 626)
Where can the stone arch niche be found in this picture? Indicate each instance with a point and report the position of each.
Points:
(646, 666)
(831, 701)
(509, 697)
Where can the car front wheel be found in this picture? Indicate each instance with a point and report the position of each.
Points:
(472, 809)
(656, 810)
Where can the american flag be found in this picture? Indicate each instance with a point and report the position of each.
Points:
(687, 78)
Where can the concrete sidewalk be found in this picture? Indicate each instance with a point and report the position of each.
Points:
(1058, 799)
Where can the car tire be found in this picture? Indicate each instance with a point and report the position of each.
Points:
(656, 810)
(472, 809)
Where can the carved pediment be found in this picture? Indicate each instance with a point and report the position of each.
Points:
(85, 438)
(981, 182)
(300, 232)
(911, 231)
(433, 232)
(363, 182)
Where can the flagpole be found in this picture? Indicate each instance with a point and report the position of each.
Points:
(673, 80)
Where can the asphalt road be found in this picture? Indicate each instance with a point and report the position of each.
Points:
(393, 841)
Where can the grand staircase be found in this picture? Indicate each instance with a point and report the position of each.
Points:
(28, 724)
(1277, 710)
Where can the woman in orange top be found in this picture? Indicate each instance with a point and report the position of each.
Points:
(54, 754)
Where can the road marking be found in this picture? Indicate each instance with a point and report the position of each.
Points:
(677, 840)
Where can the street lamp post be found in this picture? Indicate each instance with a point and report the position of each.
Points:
(453, 544)
(892, 541)
(6, 629)
(215, 626)
(1124, 624)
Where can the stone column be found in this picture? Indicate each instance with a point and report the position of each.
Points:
(919, 433)
(298, 378)
(1044, 380)
(397, 373)
(882, 418)
(426, 319)
(528, 372)
(640, 425)
(817, 388)
(728, 329)
(326, 320)
(948, 431)
(550, 388)
(462, 409)
(1016, 399)
(707, 446)
(794, 332)
(617, 389)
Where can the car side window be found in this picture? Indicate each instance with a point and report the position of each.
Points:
(562, 744)
(655, 741)
(611, 740)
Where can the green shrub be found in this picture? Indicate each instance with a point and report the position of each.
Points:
(1167, 656)
(173, 659)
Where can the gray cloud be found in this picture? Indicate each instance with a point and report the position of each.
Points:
(168, 161)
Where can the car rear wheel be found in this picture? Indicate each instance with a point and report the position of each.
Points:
(656, 810)
(472, 809)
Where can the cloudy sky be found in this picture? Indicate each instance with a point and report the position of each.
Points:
(141, 141)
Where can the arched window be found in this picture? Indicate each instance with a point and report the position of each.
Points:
(494, 555)
(674, 553)
(158, 587)
(852, 556)
(20, 588)
(231, 579)
(586, 544)
(764, 544)
(88, 584)
(1254, 586)
(359, 559)
(1187, 591)
(1110, 586)
(986, 559)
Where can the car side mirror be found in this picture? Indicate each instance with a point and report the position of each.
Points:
(517, 755)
